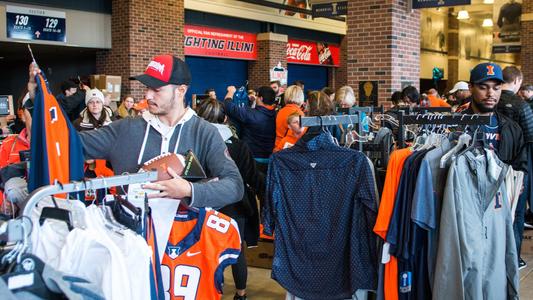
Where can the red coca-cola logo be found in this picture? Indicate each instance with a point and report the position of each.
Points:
(299, 52)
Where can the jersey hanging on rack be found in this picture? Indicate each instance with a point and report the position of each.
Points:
(56, 151)
(200, 246)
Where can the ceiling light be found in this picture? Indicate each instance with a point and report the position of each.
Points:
(463, 15)
(488, 1)
(487, 23)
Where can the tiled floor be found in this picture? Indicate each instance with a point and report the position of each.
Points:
(261, 286)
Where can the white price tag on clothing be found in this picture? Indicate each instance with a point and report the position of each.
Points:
(20, 281)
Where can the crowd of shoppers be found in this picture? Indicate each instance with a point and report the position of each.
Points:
(270, 123)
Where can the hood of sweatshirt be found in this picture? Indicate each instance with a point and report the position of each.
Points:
(224, 131)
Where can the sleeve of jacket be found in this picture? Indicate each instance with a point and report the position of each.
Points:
(513, 274)
(448, 279)
(228, 188)
(99, 144)
(526, 121)
(271, 196)
(235, 112)
(72, 103)
(520, 151)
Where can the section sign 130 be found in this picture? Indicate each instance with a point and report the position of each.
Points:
(35, 24)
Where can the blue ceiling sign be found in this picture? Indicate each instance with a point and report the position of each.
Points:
(438, 3)
(35, 24)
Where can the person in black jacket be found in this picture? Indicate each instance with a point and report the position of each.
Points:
(512, 105)
(526, 93)
(258, 124)
(503, 135)
(515, 108)
(72, 99)
(245, 212)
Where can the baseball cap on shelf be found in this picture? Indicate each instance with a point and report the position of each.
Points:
(486, 71)
(163, 70)
(461, 85)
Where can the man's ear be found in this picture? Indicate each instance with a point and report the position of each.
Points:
(182, 89)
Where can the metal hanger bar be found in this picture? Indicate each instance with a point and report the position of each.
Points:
(78, 186)
(427, 110)
(329, 120)
(447, 120)
(354, 110)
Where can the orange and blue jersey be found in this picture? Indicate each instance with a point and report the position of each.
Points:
(202, 243)
(56, 150)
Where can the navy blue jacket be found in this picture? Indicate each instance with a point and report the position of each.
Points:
(258, 127)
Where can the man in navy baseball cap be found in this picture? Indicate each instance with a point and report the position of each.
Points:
(503, 135)
(485, 85)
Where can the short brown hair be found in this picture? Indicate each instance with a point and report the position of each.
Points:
(319, 104)
(511, 73)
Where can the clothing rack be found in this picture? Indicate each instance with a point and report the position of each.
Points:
(366, 109)
(334, 120)
(412, 110)
(15, 230)
(432, 119)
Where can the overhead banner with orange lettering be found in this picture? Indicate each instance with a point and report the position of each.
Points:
(214, 42)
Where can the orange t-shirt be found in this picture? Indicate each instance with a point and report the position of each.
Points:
(289, 140)
(386, 207)
(435, 101)
(282, 127)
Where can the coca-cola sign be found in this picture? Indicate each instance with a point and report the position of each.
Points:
(312, 53)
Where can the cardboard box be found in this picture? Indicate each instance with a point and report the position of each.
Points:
(260, 256)
(112, 84)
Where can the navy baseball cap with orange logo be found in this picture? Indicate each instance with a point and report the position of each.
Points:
(486, 71)
(163, 70)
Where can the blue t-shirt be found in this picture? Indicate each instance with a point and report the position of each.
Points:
(492, 133)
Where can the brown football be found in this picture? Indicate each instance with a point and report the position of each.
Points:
(162, 162)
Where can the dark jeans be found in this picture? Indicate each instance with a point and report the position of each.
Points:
(240, 269)
(519, 219)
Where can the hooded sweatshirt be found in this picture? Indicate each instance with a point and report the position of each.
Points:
(128, 143)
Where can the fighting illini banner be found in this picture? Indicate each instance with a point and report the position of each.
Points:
(205, 41)
(56, 151)
(312, 53)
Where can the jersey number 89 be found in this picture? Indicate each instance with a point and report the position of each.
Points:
(186, 282)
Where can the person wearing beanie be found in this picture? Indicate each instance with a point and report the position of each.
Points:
(96, 114)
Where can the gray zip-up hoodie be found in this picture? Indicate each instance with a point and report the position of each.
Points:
(128, 143)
